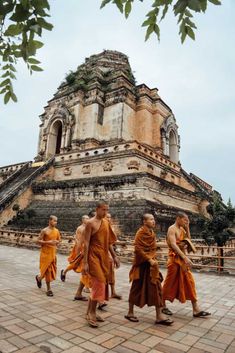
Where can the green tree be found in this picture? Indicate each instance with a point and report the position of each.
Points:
(182, 9)
(217, 227)
(21, 21)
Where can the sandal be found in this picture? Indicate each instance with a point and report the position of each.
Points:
(166, 322)
(62, 276)
(39, 282)
(116, 296)
(49, 293)
(167, 311)
(82, 298)
(202, 314)
(101, 306)
(91, 323)
(131, 318)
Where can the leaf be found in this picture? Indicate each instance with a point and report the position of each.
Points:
(36, 68)
(104, 3)
(127, 8)
(119, 5)
(190, 23)
(7, 73)
(44, 24)
(203, 5)
(14, 30)
(147, 22)
(38, 44)
(157, 31)
(194, 5)
(20, 14)
(13, 97)
(190, 32)
(215, 2)
(5, 82)
(149, 31)
(7, 97)
(164, 12)
(33, 61)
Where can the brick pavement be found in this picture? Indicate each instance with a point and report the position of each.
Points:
(31, 322)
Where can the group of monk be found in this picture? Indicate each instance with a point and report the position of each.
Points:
(93, 256)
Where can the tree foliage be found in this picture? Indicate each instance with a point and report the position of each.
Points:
(21, 23)
(218, 228)
(183, 11)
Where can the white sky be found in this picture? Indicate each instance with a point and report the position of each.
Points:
(196, 80)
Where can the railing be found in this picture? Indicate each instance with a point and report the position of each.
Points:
(219, 259)
(211, 258)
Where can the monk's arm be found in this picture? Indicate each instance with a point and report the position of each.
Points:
(172, 240)
(87, 236)
(114, 256)
(187, 229)
(79, 239)
(41, 240)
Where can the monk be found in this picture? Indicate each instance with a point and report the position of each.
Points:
(179, 282)
(144, 274)
(76, 260)
(99, 238)
(49, 239)
(111, 281)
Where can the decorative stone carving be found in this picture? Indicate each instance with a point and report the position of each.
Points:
(108, 166)
(67, 171)
(133, 165)
(163, 173)
(86, 169)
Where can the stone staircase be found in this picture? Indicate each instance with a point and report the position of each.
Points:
(19, 181)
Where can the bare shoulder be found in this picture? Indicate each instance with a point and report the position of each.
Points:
(171, 229)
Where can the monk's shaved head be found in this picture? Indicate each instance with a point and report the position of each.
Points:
(181, 215)
(101, 204)
(146, 216)
(52, 217)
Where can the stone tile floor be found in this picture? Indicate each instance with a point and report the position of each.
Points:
(31, 322)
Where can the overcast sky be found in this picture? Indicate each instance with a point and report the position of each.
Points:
(197, 80)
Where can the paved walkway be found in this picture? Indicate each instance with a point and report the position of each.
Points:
(31, 322)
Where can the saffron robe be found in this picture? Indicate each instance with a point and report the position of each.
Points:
(48, 259)
(146, 280)
(98, 254)
(179, 282)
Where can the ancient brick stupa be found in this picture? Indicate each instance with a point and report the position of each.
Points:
(104, 137)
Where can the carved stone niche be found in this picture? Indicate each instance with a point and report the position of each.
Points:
(86, 169)
(108, 166)
(67, 171)
(163, 173)
(133, 165)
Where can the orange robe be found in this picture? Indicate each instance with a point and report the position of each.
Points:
(76, 263)
(146, 280)
(98, 259)
(48, 256)
(179, 282)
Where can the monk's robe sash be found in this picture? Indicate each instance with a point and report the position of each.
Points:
(48, 256)
(145, 250)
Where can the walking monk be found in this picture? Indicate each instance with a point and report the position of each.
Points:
(179, 282)
(99, 238)
(76, 260)
(49, 238)
(144, 275)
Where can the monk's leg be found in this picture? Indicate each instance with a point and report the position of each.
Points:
(92, 310)
(113, 292)
(78, 295)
